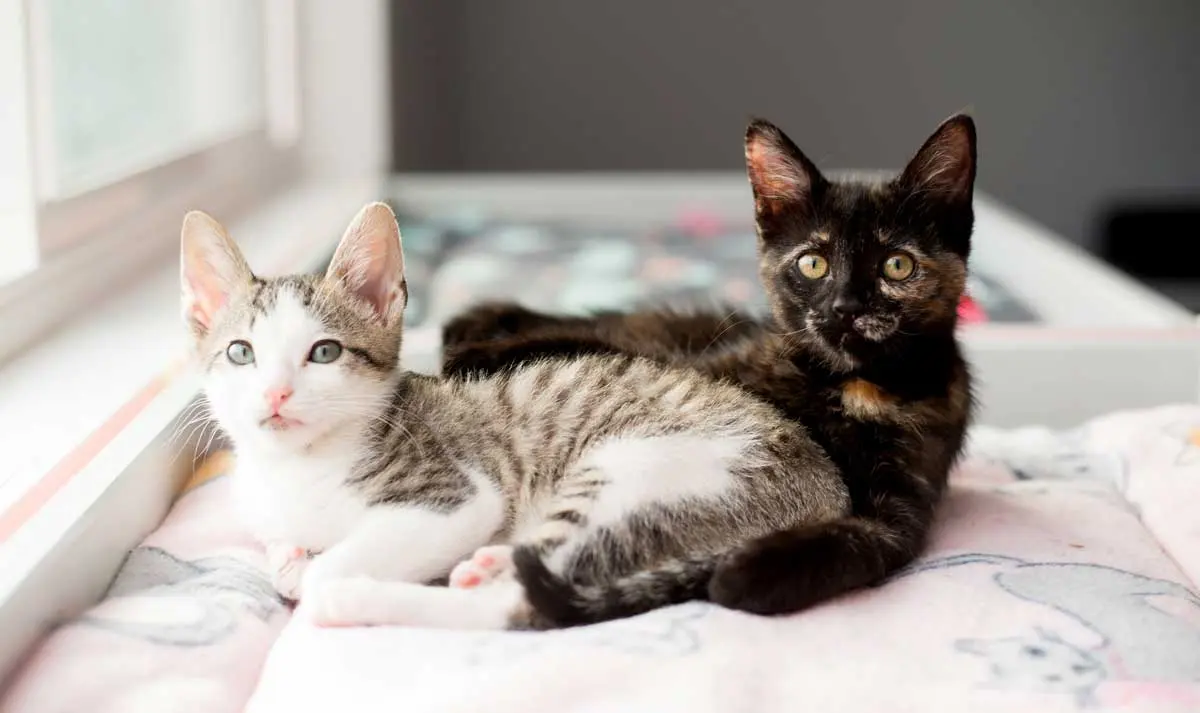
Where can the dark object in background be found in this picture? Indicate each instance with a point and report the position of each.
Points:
(1157, 242)
(1152, 240)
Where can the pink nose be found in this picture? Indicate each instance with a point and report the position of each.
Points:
(276, 396)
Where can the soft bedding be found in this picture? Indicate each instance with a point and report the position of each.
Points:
(185, 626)
(1060, 577)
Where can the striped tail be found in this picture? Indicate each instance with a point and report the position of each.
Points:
(557, 602)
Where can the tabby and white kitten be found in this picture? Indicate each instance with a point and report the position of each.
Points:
(618, 482)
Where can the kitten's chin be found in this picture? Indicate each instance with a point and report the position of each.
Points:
(831, 347)
(278, 434)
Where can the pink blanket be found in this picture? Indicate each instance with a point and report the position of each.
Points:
(1060, 578)
(185, 627)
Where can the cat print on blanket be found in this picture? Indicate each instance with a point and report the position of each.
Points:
(1041, 662)
(197, 618)
(1042, 454)
(1188, 435)
(569, 491)
(1143, 629)
(665, 633)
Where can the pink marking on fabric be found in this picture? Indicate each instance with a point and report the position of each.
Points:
(662, 268)
(700, 223)
(969, 311)
(739, 290)
(1117, 694)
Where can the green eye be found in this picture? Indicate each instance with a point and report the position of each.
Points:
(240, 353)
(899, 266)
(813, 266)
(325, 351)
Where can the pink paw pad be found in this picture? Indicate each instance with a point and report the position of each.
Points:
(486, 565)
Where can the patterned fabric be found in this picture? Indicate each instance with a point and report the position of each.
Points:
(185, 626)
(454, 261)
(1061, 577)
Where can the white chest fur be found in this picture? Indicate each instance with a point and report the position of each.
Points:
(297, 500)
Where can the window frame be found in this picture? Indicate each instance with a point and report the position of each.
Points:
(64, 551)
(93, 242)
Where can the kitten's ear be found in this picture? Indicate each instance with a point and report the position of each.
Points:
(944, 169)
(369, 262)
(211, 270)
(781, 175)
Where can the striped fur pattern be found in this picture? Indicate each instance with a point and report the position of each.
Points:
(564, 492)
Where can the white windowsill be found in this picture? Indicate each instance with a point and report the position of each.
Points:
(59, 398)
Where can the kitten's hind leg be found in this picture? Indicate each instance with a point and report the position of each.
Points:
(565, 516)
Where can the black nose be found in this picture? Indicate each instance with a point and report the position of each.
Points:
(847, 306)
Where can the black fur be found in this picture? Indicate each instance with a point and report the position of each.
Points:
(891, 411)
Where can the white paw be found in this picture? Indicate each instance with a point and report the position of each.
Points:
(490, 563)
(341, 602)
(287, 564)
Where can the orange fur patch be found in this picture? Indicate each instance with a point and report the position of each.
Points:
(863, 400)
(213, 465)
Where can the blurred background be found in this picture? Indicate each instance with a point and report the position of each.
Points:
(116, 108)
(1087, 109)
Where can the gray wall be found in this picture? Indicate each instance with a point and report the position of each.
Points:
(1078, 101)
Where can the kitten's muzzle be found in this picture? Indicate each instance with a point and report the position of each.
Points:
(846, 307)
(876, 328)
(277, 422)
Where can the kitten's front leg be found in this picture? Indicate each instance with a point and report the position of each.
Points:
(286, 564)
(407, 543)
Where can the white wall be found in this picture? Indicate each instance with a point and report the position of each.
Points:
(346, 123)
(1079, 102)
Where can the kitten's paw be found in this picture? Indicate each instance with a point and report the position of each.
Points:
(489, 564)
(341, 602)
(287, 565)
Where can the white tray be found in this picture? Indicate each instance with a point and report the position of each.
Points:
(1103, 342)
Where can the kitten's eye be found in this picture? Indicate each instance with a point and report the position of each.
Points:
(325, 351)
(240, 353)
(899, 266)
(813, 266)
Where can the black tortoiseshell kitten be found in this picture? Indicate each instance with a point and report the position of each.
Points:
(864, 281)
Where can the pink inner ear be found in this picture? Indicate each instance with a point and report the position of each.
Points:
(369, 262)
(945, 165)
(208, 298)
(376, 282)
(774, 174)
(199, 316)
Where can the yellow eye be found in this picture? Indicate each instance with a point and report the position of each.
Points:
(813, 266)
(899, 266)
